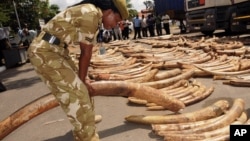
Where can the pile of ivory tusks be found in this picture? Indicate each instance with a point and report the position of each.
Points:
(164, 85)
(176, 84)
(203, 55)
(186, 58)
(142, 64)
(102, 88)
(211, 123)
(113, 66)
(188, 92)
(155, 78)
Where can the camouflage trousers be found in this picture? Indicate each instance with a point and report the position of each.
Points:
(57, 70)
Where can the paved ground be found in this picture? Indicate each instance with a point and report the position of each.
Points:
(24, 86)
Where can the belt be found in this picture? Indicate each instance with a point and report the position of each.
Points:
(51, 39)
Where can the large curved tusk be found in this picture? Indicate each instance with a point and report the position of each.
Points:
(198, 136)
(140, 91)
(131, 71)
(231, 115)
(167, 82)
(190, 125)
(147, 77)
(167, 74)
(216, 109)
(130, 63)
(199, 92)
(26, 113)
(223, 73)
(177, 84)
(200, 97)
(183, 126)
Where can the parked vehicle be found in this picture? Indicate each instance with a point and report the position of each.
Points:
(209, 15)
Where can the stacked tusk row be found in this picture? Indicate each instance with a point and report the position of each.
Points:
(172, 62)
(211, 123)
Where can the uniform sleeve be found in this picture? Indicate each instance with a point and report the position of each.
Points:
(86, 27)
(76, 24)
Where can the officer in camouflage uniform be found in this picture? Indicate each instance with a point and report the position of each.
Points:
(49, 56)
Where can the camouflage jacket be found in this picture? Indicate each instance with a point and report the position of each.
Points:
(76, 24)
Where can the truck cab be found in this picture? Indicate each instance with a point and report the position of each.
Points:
(209, 15)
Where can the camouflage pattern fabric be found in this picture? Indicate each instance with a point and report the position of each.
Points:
(76, 24)
(53, 64)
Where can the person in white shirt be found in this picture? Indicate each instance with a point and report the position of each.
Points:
(144, 26)
(165, 19)
(117, 32)
(26, 36)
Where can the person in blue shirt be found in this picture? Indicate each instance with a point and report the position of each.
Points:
(137, 27)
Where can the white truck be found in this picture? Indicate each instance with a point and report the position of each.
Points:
(209, 15)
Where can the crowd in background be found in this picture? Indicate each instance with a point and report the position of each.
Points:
(149, 25)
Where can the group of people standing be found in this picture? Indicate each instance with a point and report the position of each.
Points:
(150, 24)
(119, 32)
